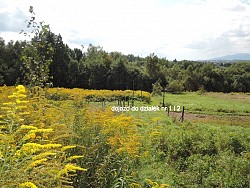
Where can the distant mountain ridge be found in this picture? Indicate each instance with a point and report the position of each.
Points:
(234, 57)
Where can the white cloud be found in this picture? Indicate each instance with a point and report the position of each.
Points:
(190, 29)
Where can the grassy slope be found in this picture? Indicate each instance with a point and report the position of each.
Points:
(228, 107)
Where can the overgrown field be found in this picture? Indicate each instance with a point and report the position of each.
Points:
(72, 138)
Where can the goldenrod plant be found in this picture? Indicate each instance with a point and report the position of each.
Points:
(154, 184)
(96, 95)
(112, 145)
(32, 154)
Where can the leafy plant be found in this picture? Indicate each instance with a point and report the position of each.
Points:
(157, 89)
(37, 53)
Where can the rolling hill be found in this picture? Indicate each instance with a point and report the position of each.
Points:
(234, 57)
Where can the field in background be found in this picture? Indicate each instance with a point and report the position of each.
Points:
(212, 108)
(208, 108)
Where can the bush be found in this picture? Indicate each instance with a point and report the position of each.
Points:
(157, 89)
(175, 86)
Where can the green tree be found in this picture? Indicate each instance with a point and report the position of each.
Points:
(98, 62)
(117, 78)
(157, 88)
(152, 67)
(175, 86)
(59, 67)
(10, 62)
(37, 54)
(77, 54)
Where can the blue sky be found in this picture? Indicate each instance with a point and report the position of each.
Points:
(181, 29)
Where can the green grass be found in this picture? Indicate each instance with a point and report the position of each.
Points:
(189, 155)
(207, 103)
(209, 108)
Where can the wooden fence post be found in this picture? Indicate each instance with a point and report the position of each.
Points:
(182, 114)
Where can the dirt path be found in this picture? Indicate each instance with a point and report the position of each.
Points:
(213, 119)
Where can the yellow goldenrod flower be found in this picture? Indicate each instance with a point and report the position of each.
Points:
(67, 147)
(21, 96)
(42, 155)
(50, 146)
(75, 157)
(152, 183)
(73, 168)
(28, 185)
(24, 113)
(29, 136)
(145, 154)
(41, 131)
(18, 101)
(155, 119)
(12, 96)
(18, 153)
(32, 133)
(164, 185)
(34, 147)
(5, 108)
(135, 185)
(8, 103)
(21, 107)
(155, 133)
(31, 147)
(21, 88)
(36, 163)
(120, 150)
(23, 127)
(70, 168)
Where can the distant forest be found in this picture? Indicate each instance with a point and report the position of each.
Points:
(98, 69)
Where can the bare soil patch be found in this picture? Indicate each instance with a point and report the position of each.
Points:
(213, 119)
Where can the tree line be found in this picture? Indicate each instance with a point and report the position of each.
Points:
(98, 69)
(47, 59)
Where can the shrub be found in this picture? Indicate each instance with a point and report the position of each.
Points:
(157, 89)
